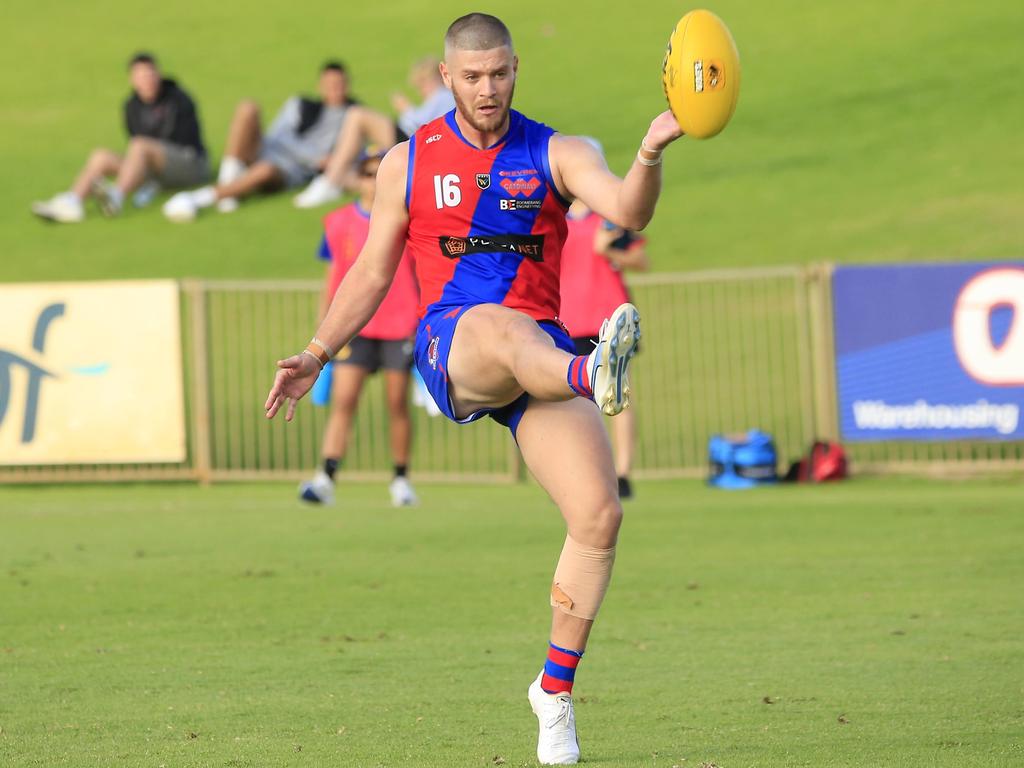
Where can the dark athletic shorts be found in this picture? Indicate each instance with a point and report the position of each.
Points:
(374, 354)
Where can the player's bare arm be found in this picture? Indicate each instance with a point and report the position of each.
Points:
(362, 290)
(580, 171)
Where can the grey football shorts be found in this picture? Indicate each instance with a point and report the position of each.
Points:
(374, 354)
(183, 166)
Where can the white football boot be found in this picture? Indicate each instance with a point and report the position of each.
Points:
(402, 494)
(319, 490)
(556, 743)
(608, 363)
(319, 191)
(64, 208)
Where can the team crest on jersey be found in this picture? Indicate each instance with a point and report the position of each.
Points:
(525, 186)
(432, 352)
(483, 180)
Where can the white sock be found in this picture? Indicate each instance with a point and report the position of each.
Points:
(591, 362)
(204, 197)
(230, 169)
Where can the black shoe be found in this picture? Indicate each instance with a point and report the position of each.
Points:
(625, 488)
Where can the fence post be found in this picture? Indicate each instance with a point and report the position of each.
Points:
(805, 321)
(200, 383)
(822, 351)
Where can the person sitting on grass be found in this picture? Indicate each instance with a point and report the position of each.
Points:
(367, 126)
(289, 154)
(165, 147)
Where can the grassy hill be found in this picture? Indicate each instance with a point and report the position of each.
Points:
(865, 131)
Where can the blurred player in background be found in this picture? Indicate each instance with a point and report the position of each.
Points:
(595, 255)
(365, 125)
(479, 197)
(384, 343)
(294, 148)
(165, 147)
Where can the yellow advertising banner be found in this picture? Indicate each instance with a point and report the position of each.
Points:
(90, 373)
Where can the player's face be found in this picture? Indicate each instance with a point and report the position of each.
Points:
(482, 83)
(333, 87)
(145, 79)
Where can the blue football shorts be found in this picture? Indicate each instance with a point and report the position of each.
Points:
(433, 345)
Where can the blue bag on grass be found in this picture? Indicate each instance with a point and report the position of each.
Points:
(742, 461)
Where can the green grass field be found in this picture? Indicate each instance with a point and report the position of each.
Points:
(865, 131)
(867, 624)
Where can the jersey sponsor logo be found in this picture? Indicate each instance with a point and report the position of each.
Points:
(530, 246)
(519, 205)
(483, 180)
(524, 172)
(432, 352)
(525, 186)
(432, 139)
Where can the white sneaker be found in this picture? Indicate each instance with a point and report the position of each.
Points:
(319, 490)
(64, 208)
(108, 197)
(556, 743)
(181, 207)
(184, 206)
(227, 204)
(616, 345)
(319, 191)
(402, 494)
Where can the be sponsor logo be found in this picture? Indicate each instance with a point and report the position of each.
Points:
(507, 204)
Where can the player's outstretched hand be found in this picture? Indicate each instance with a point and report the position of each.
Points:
(663, 131)
(295, 377)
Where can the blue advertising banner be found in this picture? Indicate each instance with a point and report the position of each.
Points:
(930, 352)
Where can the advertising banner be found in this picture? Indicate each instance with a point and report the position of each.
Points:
(91, 373)
(930, 352)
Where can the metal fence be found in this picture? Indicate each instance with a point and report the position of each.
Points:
(723, 351)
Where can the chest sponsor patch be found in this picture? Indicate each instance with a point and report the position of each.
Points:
(525, 187)
(530, 246)
(519, 205)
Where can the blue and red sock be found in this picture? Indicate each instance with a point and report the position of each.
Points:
(559, 669)
(579, 381)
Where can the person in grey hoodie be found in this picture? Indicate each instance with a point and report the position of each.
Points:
(294, 148)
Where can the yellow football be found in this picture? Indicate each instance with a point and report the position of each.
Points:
(701, 74)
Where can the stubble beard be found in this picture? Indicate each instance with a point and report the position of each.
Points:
(480, 123)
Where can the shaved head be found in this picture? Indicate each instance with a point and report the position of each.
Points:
(476, 32)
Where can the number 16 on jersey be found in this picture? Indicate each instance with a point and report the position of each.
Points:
(446, 191)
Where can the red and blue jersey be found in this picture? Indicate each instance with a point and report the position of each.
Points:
(486, 226)
(345, 232)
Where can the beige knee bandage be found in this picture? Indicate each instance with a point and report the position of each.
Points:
(581, 579)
